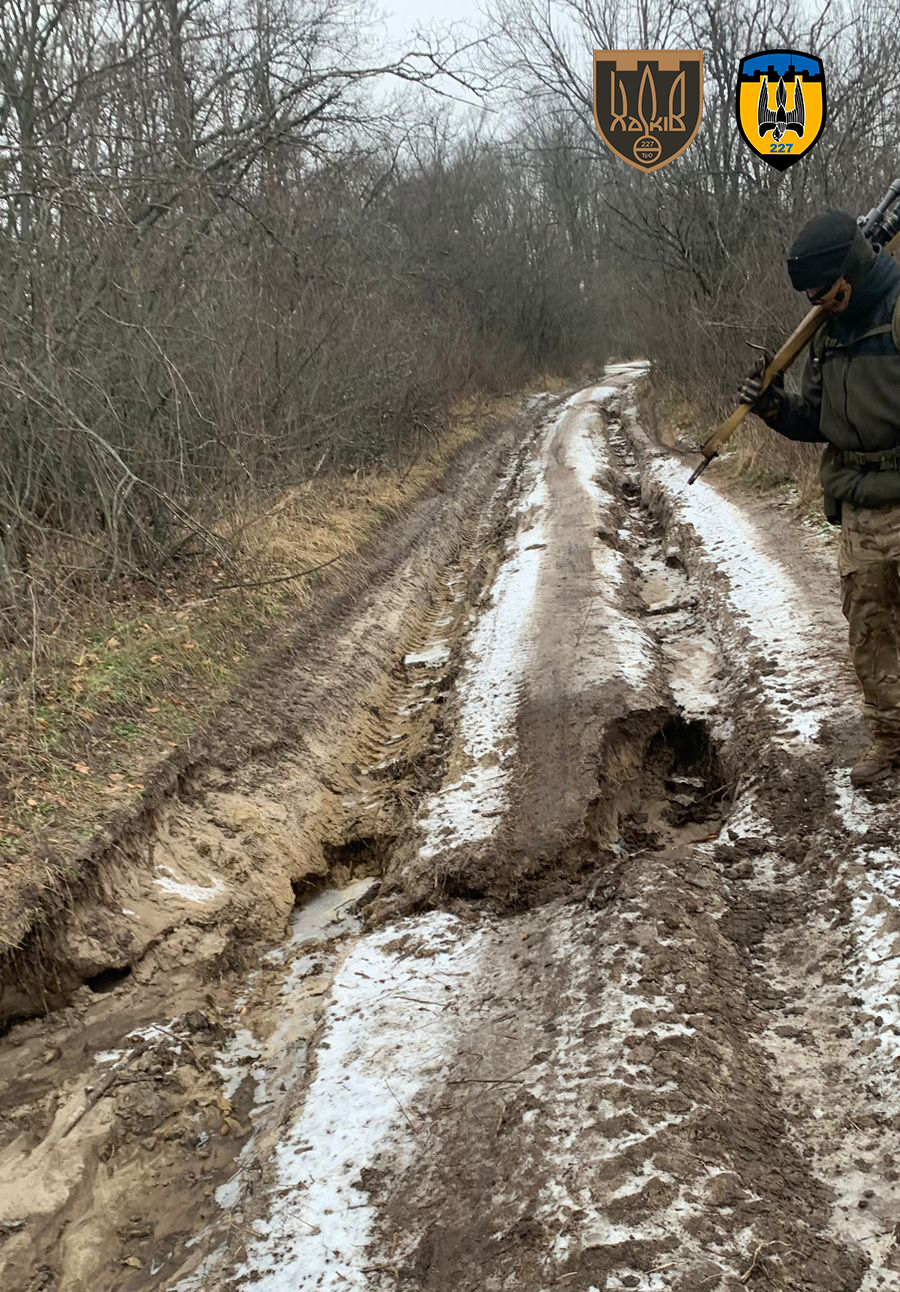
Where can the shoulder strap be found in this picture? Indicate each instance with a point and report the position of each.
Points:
(823, 341)
(819, 342)
(829, 343)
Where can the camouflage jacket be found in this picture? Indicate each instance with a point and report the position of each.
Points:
(849, 395)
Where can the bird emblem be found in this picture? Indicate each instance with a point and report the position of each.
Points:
(780, 121)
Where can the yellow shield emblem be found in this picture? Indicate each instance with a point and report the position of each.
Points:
(781, 105)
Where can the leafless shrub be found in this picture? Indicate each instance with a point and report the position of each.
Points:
(690, 259)
(227, 266)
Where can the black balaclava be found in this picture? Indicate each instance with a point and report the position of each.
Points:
(831, 246)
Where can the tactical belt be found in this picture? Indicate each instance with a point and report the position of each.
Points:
(883, 460)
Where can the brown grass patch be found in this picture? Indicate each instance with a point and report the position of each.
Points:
(91, 705)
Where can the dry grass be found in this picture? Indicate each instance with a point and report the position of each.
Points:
(769, 461)
(88, 708)
(756, 456)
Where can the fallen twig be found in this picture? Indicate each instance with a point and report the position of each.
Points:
(752, 1266)
(435, 1004)
(488, 1081)
(400, 1106)
(108, 1081)
(282, 578)
(755, 1260)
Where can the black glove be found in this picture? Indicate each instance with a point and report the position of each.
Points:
(765, 403)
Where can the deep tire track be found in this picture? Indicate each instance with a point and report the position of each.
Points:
(626, 1017)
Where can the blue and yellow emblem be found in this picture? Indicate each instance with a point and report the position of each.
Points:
(781, 105)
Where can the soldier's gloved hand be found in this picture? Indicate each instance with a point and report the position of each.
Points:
(765, 403)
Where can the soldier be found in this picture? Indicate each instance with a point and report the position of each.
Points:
(850, 400)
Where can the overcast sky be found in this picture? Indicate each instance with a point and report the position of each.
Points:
(403, 16)
(449, 24)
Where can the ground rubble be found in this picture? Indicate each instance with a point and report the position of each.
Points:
(595, 986)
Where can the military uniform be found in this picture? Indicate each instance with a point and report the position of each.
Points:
(849, 400)
(869, 565)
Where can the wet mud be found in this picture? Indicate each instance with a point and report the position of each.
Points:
(565, 957)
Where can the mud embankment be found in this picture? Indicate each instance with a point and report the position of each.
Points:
(305, 782)
(263, 796)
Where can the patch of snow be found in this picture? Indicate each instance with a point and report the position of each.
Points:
(228, 1194)
(856, 813)
(430, 657)
(849, 1072)
(498, 649)
(233, 1063)
(630, 368)
(374, 1057)
(583, 450)
(170, 883)
(746, 822)
(569, 1203)
(110, 1056)
(631, 653)
(765, 597)
(873, 882)
(151, 1031)
(600, 394)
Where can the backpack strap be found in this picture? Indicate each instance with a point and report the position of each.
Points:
(823, 341)
(827, 342)
(819, 344)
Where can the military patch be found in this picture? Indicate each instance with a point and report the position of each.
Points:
(648, 103)
(781, 105)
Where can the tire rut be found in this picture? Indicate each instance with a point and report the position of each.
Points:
(596, 988)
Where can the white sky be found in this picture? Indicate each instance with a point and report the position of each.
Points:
(449, 24)
(403, 16)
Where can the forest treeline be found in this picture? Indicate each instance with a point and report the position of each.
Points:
(237, 250)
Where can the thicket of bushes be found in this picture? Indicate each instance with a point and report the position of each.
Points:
(228, 262)
(225, 268)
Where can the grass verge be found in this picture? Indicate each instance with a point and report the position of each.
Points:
(89, 709)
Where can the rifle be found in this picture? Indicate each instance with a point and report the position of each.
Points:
(882, 228)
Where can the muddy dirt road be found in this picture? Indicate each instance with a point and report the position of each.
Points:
(595, 983)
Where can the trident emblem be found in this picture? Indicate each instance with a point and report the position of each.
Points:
(648, 102)
(645, 119)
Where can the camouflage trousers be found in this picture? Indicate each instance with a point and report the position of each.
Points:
(869, 566)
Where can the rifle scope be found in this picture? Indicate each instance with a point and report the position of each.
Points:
(882, 222)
